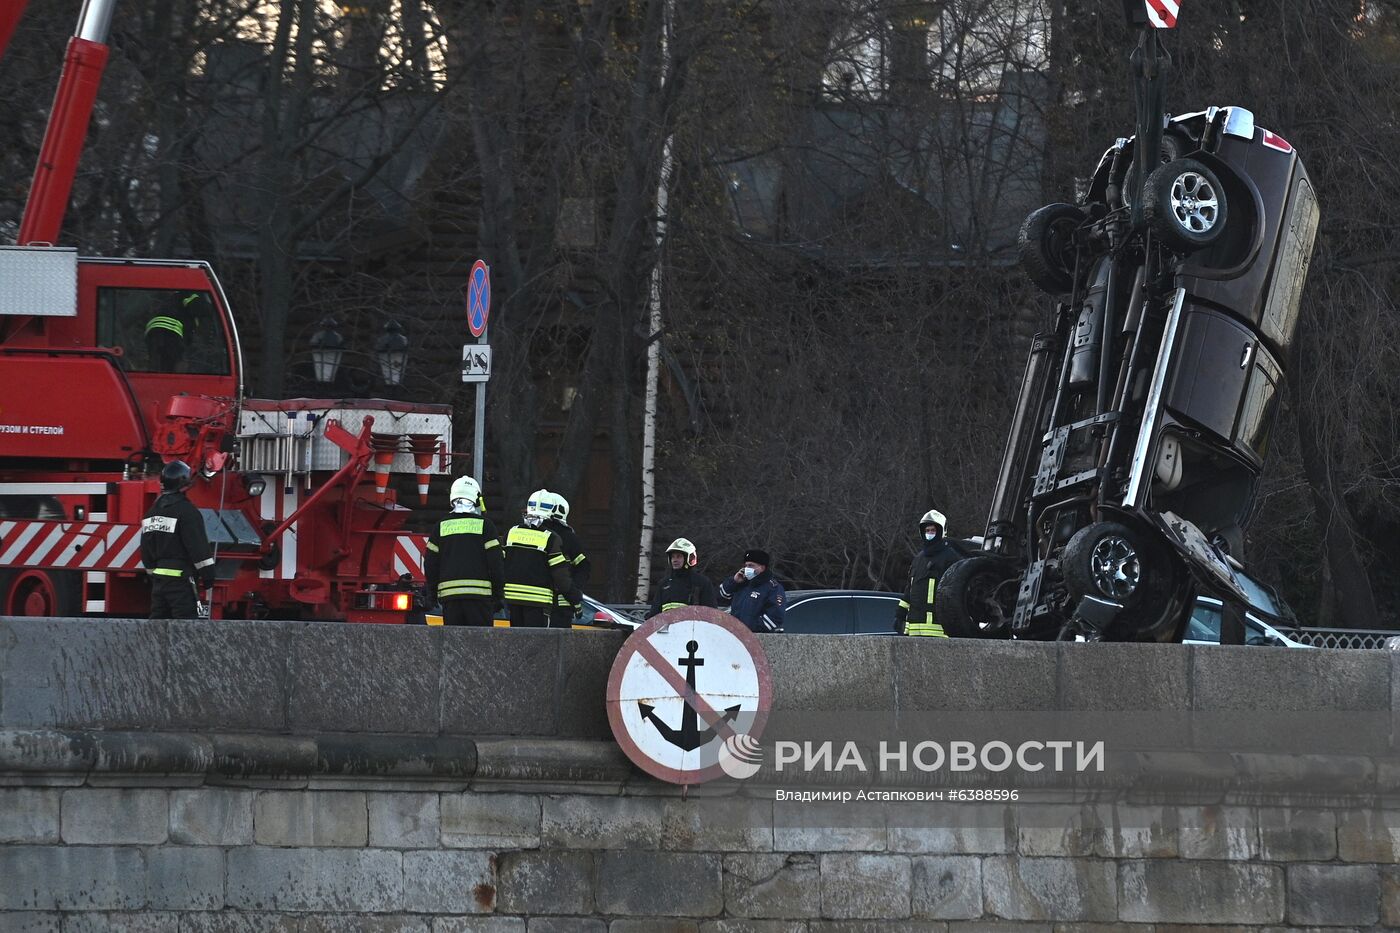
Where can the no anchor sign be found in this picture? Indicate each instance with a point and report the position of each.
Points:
(688, 696)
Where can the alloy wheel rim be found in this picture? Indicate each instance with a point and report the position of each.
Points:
(1115, 567)
(1195, 202)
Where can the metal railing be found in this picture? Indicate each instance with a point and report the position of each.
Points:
(1343, 637)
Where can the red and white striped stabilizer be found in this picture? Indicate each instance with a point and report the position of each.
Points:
(71, 545)
(1162, 13)
(408, 555)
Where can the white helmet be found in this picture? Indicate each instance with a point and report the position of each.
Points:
(465, 489)
(686, 548)
(539, 507)
(934, 517)
(561, 507)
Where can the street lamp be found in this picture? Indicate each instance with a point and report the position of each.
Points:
(327, 347)
(391, 350)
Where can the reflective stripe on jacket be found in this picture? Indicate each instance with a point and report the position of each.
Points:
(173, 539)
(536, 570)
(572, 548)
(165, 322)
(464, 559)
(915, 611)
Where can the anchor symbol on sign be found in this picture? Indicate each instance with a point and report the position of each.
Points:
(689, 736)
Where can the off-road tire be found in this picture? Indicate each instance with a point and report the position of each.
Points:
(964, 602)
(1184, 204)
(1046, 246)
(1156, 607)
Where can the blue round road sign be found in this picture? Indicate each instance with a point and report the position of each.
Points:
(478, 298)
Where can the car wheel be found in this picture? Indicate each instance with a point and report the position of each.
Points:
(1172, 149)
(1114, 561)
(968, 601)
(1046, 246)
(1184, 203)
(1105, 559)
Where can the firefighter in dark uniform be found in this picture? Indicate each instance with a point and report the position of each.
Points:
(536, 569)
(754, 595)
(914, 614)
(464, 569)
(684, 585)
(169, 331)
(558, 522)
(175, 547)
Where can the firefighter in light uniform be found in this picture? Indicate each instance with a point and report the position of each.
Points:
(536, 569)
(175, 547)
(464, 567)
(914, 614)
(684, 585)
(558, 522)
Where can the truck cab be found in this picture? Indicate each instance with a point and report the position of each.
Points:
(111, 368)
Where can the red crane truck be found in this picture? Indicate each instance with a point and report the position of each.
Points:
(294, 493)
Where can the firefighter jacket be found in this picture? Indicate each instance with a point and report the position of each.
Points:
(464, 559)
(758, 603)
(684, 587)
(173, 540)
(574, 557)
(914, 614)
(175, 319)
(536, 569)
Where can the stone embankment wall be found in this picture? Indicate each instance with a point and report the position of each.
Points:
(305, 777)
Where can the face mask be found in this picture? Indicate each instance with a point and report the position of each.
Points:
(750, 573)
(930, 536)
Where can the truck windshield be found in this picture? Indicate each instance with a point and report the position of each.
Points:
(163, 330)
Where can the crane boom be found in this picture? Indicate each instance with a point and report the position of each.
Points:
(83, 65)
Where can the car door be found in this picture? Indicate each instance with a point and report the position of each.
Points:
(819, 615)
(875, 614)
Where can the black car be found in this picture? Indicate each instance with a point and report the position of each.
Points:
(1144, 416)
(839, 612)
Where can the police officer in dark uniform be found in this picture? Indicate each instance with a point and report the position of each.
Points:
(175, 548)
(536, 569)
(558, 522)
(754, 595)
(914, 614)
(684, 585)
(464, 568)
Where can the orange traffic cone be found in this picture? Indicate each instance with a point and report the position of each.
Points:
(386, 446)
(382, 460)
(424, 448)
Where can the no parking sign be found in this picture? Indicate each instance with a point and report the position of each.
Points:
(478, 298)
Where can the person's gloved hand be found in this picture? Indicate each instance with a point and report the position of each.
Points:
(206, 578)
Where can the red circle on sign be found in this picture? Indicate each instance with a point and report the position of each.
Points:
(635, 643)
(478, 298)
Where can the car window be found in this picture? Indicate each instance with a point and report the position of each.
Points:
(820, 615)
(1204, 625)
(874, 615)
(1260, 597)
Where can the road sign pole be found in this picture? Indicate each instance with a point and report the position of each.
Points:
(478, 312)
(479, 435)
